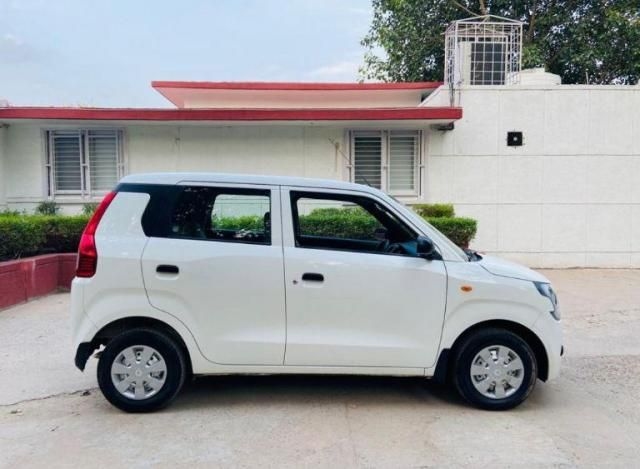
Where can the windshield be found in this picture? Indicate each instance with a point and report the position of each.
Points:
(437, 237)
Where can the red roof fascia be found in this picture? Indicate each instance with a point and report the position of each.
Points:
(293, 86)
(416, 113)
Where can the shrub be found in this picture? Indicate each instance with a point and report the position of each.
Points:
(10, 213)
(20, 235)
(25, 235)
(434, 210)
(89, 208)
(47, 207)
(246, 222)
(355, 223)
(460, 230)
(62, 233)
(352, 223)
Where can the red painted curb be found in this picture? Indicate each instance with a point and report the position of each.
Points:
(23, 279)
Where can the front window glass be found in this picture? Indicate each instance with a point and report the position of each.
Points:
(346, 222)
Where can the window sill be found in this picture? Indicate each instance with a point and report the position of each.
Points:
(66, 199)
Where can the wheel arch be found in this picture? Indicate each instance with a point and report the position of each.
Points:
(444, 364)
(118, 326)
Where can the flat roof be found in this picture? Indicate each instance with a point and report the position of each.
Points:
(295, 86)
(230, 115)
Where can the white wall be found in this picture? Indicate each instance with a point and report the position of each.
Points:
(570, 196)
(303, 151)
(24, 166)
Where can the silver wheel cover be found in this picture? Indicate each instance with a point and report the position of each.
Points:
(497, 372)
(138, 372)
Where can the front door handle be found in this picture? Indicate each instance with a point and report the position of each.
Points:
(312, 277)
(167, 269)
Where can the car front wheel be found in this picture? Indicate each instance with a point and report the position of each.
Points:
(495, 369)
(141, 370)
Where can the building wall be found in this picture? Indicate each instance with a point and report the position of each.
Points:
(570, 196)
(301, 151)
(24, 166)
(302, 99)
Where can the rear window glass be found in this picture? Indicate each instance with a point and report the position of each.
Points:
(217, 214)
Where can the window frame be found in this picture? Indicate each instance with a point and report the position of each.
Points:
(385, 158)
(221, 190)
(85, 191)
(300, 193)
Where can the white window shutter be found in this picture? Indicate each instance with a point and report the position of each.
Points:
(67, 160)
(83, 162)
(403, 162)
(102, 149)
(367, 158)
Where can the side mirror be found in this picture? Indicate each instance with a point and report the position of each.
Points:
(426, 249)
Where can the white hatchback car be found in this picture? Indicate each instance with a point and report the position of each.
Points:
(201, 274)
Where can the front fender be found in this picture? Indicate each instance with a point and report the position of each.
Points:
(489, 298)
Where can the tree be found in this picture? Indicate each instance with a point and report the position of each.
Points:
(583, 41)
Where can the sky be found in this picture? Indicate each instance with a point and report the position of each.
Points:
(106, 52)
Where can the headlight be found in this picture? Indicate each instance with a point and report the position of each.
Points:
(546, 290)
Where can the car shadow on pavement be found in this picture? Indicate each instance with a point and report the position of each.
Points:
(305, 389)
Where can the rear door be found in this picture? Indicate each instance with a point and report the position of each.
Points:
(218, 267)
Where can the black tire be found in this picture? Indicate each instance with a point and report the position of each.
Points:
(475, 343)
(176, 369)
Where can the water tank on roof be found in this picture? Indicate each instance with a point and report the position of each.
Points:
(538, 77)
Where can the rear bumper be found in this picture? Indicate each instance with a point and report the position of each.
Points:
(84, 351)
(83, 330)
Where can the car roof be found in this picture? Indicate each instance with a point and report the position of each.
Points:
(231, 178)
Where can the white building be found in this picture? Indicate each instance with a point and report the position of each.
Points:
(568, 193)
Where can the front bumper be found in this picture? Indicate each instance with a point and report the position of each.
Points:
(549, 331)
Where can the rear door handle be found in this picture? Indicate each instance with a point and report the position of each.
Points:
(312, 277)
(167, 269)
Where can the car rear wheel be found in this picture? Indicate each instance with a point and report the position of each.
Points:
(141, 370)
(495, 369)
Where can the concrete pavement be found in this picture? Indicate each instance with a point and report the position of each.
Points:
(52, 415)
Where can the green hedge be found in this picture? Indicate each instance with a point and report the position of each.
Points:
(355, 223)
(20, 236)
(434, 210)
(247, 222)
(62, 233)
(460, 230)
(352, 223)
(26, 235)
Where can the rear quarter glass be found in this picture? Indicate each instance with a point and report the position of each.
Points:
(156, 219)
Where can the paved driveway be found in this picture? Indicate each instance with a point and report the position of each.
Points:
(52, 415)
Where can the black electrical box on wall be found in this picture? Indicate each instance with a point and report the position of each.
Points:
(514, 139)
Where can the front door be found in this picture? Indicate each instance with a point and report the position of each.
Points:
(219, 270)
(357, 295)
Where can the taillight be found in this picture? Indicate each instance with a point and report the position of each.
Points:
(87, 252)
